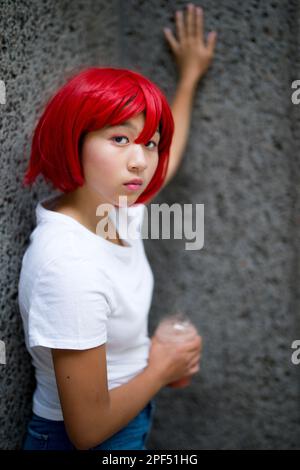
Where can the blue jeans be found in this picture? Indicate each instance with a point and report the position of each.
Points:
(46, 434)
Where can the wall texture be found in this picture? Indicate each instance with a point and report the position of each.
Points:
(241, 162)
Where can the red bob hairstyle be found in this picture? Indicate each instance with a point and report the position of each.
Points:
(90, 100)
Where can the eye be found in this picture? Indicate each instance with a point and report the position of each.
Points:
(119, 137)
(152, 142)
(124, 137)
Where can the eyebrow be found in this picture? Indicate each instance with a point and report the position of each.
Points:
(129, 124)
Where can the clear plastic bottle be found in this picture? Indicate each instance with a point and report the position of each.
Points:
(175, 328)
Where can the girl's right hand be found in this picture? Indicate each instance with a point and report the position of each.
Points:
(172, 361)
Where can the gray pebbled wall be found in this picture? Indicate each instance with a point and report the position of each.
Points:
(241, 162)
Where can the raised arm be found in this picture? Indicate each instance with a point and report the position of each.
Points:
(193, 57)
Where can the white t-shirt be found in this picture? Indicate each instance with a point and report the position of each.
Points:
(78, 290)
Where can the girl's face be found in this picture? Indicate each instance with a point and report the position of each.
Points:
(110, 158)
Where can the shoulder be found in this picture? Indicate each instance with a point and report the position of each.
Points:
(70, 279)
(47, 243)
(60, 259)
(69, 262)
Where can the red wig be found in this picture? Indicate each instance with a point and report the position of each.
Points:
(90, 100)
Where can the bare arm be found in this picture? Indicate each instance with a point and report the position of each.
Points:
(181, 110)
(193, 58)
(91, 412)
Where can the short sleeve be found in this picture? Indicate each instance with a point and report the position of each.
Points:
(70, 305)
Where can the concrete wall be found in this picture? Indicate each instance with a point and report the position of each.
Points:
(241, 162)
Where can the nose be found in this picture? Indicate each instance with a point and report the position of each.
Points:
(137, 157)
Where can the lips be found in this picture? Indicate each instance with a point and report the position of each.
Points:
(134, 187)
(135, 181)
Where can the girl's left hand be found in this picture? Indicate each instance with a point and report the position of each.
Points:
(192, 55)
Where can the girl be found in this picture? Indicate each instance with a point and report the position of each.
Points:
(85, 292)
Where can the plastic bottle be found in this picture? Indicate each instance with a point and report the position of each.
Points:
(175, 328)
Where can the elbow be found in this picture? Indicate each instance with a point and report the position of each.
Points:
(89, 433)
(81, 445)
(84, 442)
(77, 440)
